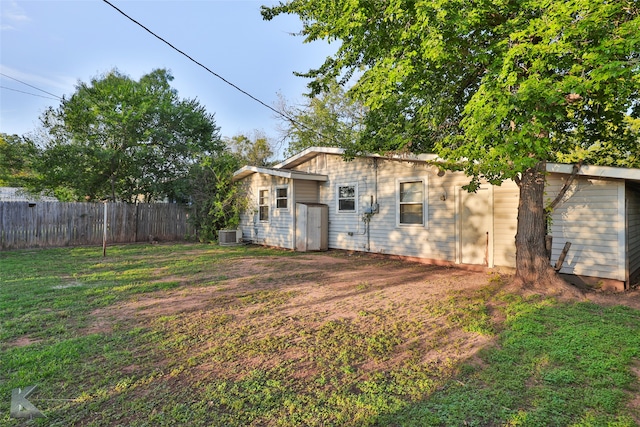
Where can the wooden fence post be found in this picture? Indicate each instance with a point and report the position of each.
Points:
(104, 235)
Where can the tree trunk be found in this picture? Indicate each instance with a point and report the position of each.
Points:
(533, 269)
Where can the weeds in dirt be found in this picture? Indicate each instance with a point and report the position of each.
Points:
(198, 335)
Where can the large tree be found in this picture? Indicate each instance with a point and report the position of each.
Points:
(16, 160)
(216, 202)
(621, 153)
(497, 88)
(327, 119)
(253, 149)
(117, 138)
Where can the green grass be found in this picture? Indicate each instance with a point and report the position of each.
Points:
(247, 354)
(554, 365)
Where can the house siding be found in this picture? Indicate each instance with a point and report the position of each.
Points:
(633, 227)
(436, 239)
(278, 230)
(589, 217)
(249, 232)
(346, 230)
(592, 215)
(306, 191)
(505, 223)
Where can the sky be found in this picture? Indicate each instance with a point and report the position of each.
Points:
(51, 45)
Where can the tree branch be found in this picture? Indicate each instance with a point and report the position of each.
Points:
(564, 188)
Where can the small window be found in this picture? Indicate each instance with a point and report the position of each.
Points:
(346, 198)
(282, 201)
(263, 205)
(411, 203)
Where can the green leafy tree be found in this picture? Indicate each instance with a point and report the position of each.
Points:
(329, 119)
(116, 138)
(496, 88)
(16, 161)
(620, 153)
(252, 150)
(216, 201)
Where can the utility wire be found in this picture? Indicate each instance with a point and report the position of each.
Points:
(28, 93)
(27, 84)
(280, 113)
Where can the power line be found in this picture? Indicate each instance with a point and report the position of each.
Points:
(28, 93)
(280, 113)
(27, 84)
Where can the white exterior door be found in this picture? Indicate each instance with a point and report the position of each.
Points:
(314, 228)
(475, 226)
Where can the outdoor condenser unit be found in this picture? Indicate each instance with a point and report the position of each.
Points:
(229, 237)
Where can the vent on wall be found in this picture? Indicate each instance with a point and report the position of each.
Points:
(229, 237)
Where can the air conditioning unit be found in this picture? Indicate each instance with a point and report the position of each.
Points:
(229, 237)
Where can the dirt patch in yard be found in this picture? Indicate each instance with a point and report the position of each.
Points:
(334, 284)
(630, 298)
(23, 342)
(283, 309)
(321, 324)
(283, 302)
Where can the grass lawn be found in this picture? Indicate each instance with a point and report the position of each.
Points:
(200, 335)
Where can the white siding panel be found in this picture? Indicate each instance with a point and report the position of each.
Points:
(249, 218)
(505, 222)
(278, 231)
(346, 230)
(589, 217)
(633, 225)
(434, 240)
(306, 191)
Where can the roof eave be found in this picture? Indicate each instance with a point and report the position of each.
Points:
(312, 152)
(307, 154)
(284, 173)
(596, 171)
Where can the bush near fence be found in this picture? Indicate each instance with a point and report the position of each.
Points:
(54, 224)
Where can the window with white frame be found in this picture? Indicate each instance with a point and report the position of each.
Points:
(263, 205)
(346, 198)
(411, 202)
(282, 198)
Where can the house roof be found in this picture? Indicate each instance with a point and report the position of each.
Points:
(284, 173)
(311, 152)
(307, 154)
(597, 171)
(283, 169)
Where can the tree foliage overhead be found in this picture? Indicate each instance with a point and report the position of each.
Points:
(216, 201)
(621, 153)
(116, 138)
(252, 150)
(16, 161)
(504, 84)
(328, 119)
(495, 87)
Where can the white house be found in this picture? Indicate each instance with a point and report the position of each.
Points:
(16, 194)
(408, 207)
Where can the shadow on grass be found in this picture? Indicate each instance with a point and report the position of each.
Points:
(554, 365)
